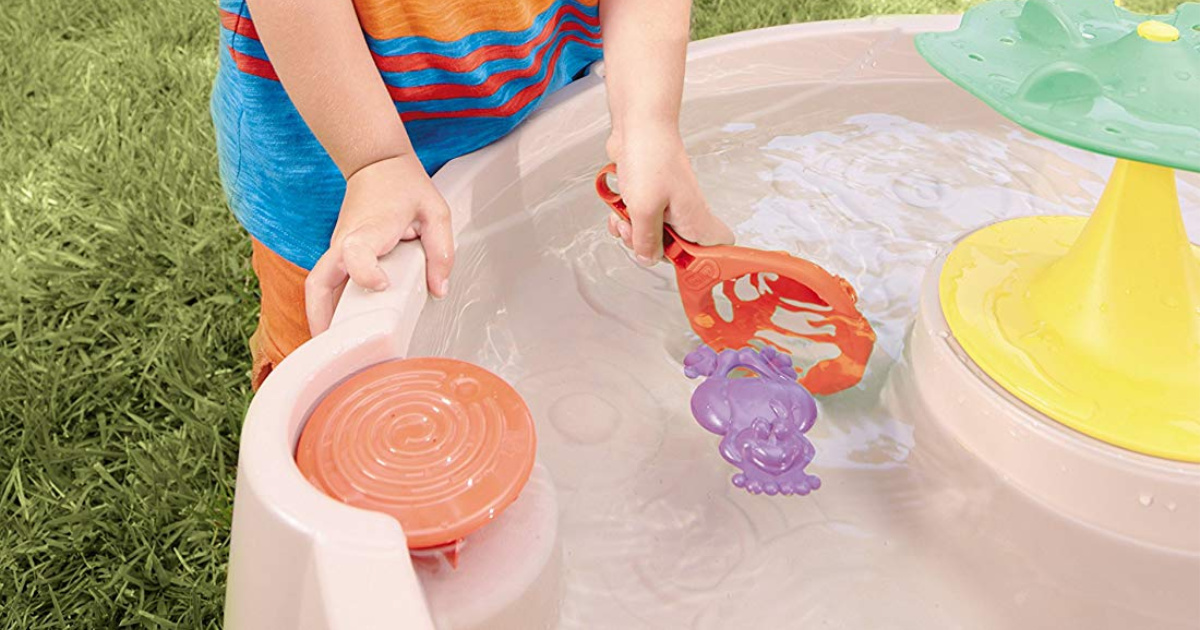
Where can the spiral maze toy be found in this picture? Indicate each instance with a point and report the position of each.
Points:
(443, 446)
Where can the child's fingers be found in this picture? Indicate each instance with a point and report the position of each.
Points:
(613, 228)
(647, 234)
(360, 252)
(625, 233)
(619, 228)
(321, 290)
(437, 239)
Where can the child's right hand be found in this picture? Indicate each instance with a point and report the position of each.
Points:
(386, 202)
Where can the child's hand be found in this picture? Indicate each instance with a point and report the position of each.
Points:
(386, 202)
(658, 185)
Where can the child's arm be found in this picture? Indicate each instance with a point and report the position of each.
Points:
(318, 50)
(645, 46)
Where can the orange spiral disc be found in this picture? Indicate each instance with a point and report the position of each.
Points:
(441, 445)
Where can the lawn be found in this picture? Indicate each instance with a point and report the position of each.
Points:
(126, 300)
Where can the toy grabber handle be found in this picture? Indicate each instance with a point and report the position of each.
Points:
(671, 240)
(608, 195)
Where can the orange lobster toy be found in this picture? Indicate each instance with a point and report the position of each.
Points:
(787, 289)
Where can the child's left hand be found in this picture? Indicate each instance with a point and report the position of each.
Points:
(657, 183)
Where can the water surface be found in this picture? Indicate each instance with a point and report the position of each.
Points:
(869, 180)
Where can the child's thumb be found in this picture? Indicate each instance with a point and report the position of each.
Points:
(704, 228)
(713, 231)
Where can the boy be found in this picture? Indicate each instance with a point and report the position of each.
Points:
(332, 115)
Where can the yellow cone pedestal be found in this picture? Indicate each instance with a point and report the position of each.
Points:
(1095, 324)
(1149, 505)
(1063, 354)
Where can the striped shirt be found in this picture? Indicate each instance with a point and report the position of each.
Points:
(462, 74)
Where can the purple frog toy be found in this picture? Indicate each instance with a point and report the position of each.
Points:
(762, 418)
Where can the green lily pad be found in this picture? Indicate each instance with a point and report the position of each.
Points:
(1078, 72)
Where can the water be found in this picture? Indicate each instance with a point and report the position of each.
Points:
(870, 180)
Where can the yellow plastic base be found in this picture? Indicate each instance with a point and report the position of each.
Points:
(1094, 323)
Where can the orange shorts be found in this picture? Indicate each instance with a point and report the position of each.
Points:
(282, 321)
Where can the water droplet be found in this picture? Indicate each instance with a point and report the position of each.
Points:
(1170, 301)
(1007, 40)
(1146, 499)
(1182, 76)
(944, 334)
(1171, 506)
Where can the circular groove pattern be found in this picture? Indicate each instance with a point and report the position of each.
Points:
(441, 445)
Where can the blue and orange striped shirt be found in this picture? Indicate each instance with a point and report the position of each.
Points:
(462, 73)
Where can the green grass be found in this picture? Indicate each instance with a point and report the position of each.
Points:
(715, 17)
(125, 305)
(126, 301)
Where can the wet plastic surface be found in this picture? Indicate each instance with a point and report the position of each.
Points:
(1079, 72)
